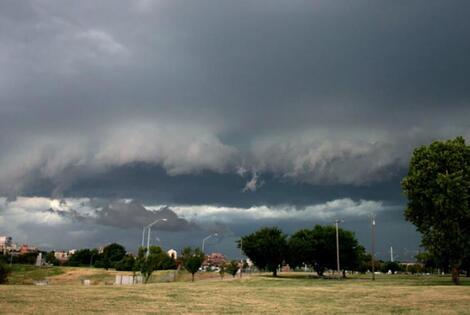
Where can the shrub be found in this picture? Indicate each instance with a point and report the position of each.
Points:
(4, 272)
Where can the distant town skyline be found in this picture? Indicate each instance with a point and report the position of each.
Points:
(221, 116)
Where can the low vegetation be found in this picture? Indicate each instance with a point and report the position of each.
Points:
(4, 272)
(289, 293)
(28, 274)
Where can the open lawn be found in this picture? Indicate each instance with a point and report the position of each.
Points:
(291, 293)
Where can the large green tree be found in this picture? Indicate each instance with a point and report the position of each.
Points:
(438, 190)
(82, 257)
(157, 259)
(192, 260)
(317, 247)
(113, 253)
(267, 248)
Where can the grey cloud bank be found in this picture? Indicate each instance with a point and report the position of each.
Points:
(226, 103)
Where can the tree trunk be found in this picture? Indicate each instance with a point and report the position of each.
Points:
(468, 272)
(344, 274)
(455, 274)
(192, 277)
(275, 272)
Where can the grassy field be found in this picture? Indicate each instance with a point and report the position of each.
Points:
(291, 293)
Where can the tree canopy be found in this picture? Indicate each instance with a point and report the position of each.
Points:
(82, 257)
(125, 264)
(438, 190)
(157, 259)
(317, 247)
(267, 248)
(112, 254)
(50, 258)
(192, 260)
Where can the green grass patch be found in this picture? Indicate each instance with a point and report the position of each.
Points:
(28, 274)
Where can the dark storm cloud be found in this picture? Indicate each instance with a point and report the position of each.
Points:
(314, 91)
(125, 214)
(152, 185)
(133, 214)
(233, 103)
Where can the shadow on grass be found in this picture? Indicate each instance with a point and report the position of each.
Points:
(382, 279)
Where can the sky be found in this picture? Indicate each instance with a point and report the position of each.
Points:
(222, 117)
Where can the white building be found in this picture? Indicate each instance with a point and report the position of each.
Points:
(5, 244)
(172, 253)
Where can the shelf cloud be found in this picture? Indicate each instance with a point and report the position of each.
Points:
(263, 108)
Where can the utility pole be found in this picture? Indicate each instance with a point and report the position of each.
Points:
(391, 253)
(241, 257)
(205, 239)
(143, 236)
(372, 222)
(148, 236)
(337, 247)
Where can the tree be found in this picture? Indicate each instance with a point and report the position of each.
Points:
(317, 248)
(112, 254)
(222, 271)
(414, 268)
(466, 265)
(192, 260)
(50, 259)
(430, 262)
(391, 266)
(438, 190)
(26, 258)
(81, 257)
(125, 264)
(267, 248)
(4, 272)
(300, 251)
(156, 260)
(351, 252)
(232, 268)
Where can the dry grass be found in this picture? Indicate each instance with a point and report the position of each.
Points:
(255, 295)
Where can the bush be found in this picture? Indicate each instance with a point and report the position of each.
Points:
(50, 259)
(4, 272)
(415, 268)
(25, 259)
(125, 264)
(232, 268)
(394, 267)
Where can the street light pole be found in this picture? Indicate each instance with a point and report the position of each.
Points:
(143, 236)
(337, 247)
(205, 239)
(372, 222)
(149, 227)
(148, 241)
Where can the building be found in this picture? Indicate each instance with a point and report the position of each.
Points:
(25, 249)
(215, 260)
(61, 256)
(172, 253)
(5, 244)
